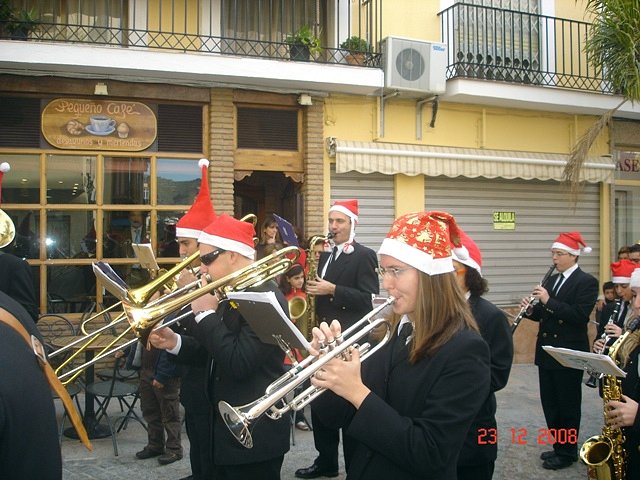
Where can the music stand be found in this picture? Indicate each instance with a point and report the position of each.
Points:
(144, 254)
(110, 279)
(267, 319)
(592, 363)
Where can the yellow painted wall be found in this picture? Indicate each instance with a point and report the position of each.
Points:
(412, 19)
(468, 126)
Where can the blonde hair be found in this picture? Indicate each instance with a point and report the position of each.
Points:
(441, 311)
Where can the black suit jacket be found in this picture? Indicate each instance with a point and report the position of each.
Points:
(631, 388)
(242, 368)
(28, 431)
(413, 423)
(494, 328)
(17, 282)
(564, 319)
(356, 282)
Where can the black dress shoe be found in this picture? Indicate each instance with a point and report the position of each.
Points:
(547, 455)
(557, 462)
(315, 471)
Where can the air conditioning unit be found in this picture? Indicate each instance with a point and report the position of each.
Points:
(414, 66)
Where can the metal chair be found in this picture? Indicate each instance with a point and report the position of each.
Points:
(125, 392)
(53, 326)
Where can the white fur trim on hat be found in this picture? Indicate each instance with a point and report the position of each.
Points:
(562, 246)
(416, 258)
(620, 279)
(5, 167)
(203, 162)
(635, 278)
(188, 233)
(227, 244)
(461, 255)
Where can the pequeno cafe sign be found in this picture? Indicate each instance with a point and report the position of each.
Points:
(78, 124)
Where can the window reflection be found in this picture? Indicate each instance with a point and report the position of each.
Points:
(26, 243)
(70, 234)
(166, 228)
(178, 181)
(71, 288)
(127, 180)
(22, 183)
(71, 179)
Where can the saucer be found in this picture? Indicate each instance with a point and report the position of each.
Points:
(108, 131)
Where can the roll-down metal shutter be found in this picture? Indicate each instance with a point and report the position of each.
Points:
(514, 261)
(374, 192)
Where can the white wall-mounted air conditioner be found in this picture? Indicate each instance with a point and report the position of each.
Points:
(414, 66)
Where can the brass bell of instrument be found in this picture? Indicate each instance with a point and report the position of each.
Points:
(297, 307)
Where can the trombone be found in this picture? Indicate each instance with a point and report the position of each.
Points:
(143, 319)
(239, 419)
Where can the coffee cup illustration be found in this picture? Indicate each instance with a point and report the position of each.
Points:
(102, 123)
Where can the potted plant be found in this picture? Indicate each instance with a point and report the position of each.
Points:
(22, 22)
(356, 48)
(303, 44)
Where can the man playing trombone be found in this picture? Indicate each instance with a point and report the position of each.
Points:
(242, 365)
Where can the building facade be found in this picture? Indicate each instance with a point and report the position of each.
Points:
(106, 108)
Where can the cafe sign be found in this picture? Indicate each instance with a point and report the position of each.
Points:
(77, 124)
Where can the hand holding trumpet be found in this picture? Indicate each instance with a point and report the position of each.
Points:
(342, 374)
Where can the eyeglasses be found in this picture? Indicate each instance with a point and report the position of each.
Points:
(395, 272)
(559, 254)
(208, 258)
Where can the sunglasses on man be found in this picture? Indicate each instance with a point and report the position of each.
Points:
(208, 258)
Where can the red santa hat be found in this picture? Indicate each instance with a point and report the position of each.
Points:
(621, 271)
(4, 168)
(469, 254)
(571, 241)
(424, 240)
(201, 212)
(230, 234)
(350, 209)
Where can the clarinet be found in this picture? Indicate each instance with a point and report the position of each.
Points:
(530, 302)
(593, 378)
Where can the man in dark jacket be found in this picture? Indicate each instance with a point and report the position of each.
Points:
(28, 431)
(17, 282)
(564, 305)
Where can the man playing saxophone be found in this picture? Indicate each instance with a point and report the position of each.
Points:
(624, 413)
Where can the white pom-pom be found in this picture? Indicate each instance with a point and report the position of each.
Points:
(5, 167)
(203, 162)
(587, 249)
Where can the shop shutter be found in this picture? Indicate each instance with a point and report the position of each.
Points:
(180, 128)
(19, 122)
(374, 192)
(514, 261)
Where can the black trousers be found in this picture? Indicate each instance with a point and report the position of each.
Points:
(476, 472)
(267, 470)
(326, 441)
(561, 397)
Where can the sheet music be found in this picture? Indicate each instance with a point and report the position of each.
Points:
(110, 279)
(267, 318)
(590, 362)
(144, 254)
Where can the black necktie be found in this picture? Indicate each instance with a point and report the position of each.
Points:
(401, 341)
(334, 254)
(559, 283)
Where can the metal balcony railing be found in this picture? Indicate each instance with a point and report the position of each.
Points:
(253, 28)
(518, 47)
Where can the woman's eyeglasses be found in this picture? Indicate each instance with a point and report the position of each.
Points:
(208, 258)
(394, 272)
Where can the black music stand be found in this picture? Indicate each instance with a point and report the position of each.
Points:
(592, 363)
(267, 319)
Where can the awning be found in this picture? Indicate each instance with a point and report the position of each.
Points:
(394, 158)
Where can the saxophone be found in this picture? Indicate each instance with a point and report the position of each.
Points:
(307, 323)
(604, 454)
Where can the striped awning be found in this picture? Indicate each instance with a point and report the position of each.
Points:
(394, 158)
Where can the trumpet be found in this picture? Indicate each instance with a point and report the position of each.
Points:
(531, 301)
(144, 319)
(239, 419)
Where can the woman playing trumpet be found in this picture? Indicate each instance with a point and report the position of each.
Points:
(406, 413)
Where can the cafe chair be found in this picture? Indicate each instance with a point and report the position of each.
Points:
(125, 392)
(53, 326)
